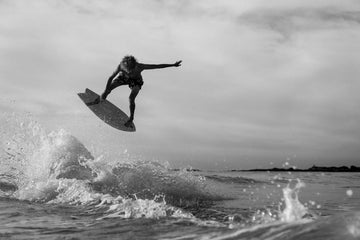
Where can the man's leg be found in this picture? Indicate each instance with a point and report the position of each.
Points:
(116, 83)
(134, 92)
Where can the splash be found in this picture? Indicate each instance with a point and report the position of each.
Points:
(56, 168)
(294, 210)
(290, 209)
(32, 159)
(79, 192)
(354, 225)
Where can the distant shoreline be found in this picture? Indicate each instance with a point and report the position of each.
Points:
(291, 169)
(312, 169)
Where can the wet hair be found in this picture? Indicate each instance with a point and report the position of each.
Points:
(129, 62)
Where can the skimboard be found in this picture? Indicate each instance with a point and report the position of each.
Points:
(106, 111)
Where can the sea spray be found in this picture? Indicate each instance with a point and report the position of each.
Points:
(353, 225)
(139, 208)
(294, 210)
(290, 209)
(56, 168)
(79, 192)
(145, 179)
(33, 159)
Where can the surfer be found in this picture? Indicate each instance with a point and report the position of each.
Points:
(128, 73)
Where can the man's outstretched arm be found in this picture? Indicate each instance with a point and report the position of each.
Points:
(157, 66)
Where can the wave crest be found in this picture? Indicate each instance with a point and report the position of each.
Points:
(56, 167)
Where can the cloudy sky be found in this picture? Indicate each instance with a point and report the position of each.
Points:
(262, 82)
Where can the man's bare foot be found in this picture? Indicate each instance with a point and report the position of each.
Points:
(96, 101)
(129, 123)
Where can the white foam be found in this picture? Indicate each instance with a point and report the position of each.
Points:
(56, 167)
(294, 210)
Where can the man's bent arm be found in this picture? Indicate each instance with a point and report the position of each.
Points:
(108, 84)
(112, 77)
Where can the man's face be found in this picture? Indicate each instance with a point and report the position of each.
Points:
(132, 64)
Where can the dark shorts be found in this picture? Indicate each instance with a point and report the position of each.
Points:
(121, 80)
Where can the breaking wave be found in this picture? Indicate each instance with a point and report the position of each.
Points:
(57, 168)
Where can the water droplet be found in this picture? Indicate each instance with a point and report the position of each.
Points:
(349, 192)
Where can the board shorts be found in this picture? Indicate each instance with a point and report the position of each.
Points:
(123, 80)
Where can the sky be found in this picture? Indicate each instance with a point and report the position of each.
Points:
(262, 83)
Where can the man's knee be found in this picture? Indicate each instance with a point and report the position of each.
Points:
(133, 94)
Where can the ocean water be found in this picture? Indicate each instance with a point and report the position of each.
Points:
(53, 187)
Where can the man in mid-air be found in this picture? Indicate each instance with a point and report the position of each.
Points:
(129, 73)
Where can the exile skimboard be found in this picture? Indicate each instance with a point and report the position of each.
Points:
(106, 111)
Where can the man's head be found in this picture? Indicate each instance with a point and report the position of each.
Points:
(129, 62)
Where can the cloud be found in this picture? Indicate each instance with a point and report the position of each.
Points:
(241, 93)
(289, 21)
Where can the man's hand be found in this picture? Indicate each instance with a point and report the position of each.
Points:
(177, 64)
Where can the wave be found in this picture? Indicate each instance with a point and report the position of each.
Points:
(341, 226)
(56, 167)
(233, 179)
